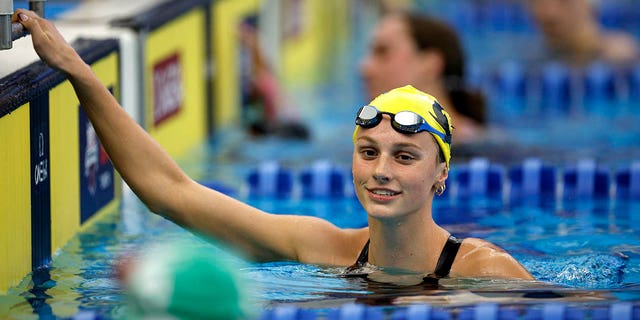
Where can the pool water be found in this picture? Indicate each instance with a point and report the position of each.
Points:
(584, 252)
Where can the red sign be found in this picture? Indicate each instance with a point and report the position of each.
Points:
(167, 89)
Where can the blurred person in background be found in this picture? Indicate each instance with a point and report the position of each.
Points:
(269, 110)
(573, 34)
(410, 48)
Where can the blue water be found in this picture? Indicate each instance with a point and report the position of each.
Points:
(576, 248)
(570, 246)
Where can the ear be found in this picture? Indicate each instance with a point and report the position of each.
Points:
(441, 177)
(444, 173)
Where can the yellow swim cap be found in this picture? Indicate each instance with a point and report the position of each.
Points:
(408, 98)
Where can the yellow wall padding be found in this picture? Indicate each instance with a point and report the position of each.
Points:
(65, 180)
(65, 166)
(227, 16)
(15, 198)
(16, 203)
(182, 40)
(309, 53)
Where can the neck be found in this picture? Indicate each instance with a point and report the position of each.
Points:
(412, 244)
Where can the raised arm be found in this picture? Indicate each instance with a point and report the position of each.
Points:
(166, 189)
(129, 147)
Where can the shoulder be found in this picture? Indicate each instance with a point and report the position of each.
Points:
(480, 258)
(620, 47)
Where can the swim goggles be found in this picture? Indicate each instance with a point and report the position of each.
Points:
(407, 122)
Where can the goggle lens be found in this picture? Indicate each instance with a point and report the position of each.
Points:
(407, 121)
(368, 117)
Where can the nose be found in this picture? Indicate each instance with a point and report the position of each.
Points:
(382, 172)
(364, 66)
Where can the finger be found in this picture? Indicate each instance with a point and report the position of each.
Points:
(42, 31)
(28, 19)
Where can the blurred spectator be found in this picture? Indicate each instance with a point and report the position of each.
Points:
(267, 108)
(573, 35)
(409, 48)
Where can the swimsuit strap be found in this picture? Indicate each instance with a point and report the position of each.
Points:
(364, 254)
(447, 256)
(443, 267)
(362, 259)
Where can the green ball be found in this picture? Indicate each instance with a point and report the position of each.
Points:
(186, 282)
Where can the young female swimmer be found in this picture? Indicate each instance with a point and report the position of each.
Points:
(400, 160)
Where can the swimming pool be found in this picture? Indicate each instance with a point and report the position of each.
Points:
(581, 243)
(584, 250)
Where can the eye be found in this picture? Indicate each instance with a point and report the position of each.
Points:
(368, 153)
(379, 50)
(405, 157)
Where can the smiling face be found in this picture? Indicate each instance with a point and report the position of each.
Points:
(394, 174)
(393, 59)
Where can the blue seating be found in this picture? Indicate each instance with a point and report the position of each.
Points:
(510, 85)
(627, 182)
(613, 14)
(556, 88)
(479, 178)
(600, 88)
(633, 82)
(585, 180)
(323, 179)
(269, 179)
(532, 178)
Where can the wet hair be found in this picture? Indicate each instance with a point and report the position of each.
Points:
(430, 33)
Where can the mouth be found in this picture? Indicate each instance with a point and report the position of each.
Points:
(382, 194)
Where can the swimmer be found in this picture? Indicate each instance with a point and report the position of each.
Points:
(409, 48)
(573, 34)
(402, 145)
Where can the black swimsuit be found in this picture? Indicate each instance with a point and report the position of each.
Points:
(447, 256)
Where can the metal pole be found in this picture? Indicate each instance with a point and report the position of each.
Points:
(6, 11)
(10, 32)
(37, 6)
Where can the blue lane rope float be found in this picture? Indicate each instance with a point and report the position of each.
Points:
(479, 177)
(270, 179)
(627, 181)
(324, 179)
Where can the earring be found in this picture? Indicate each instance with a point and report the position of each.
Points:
(440, 189)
